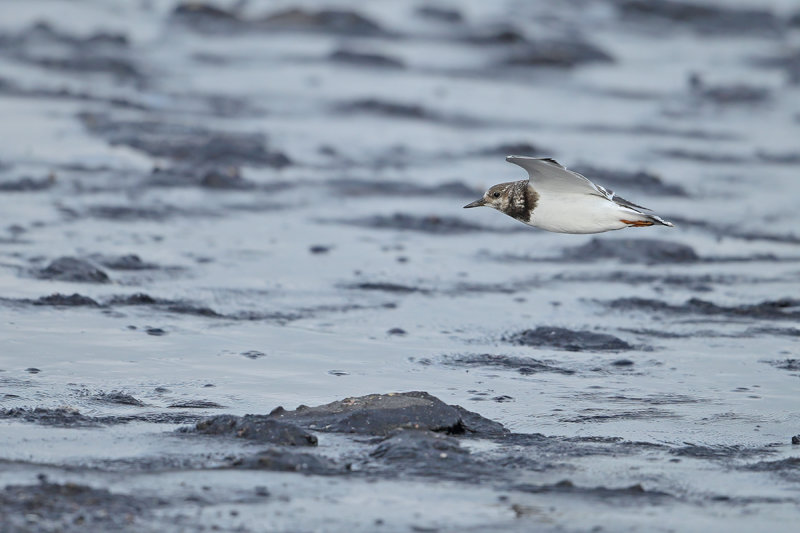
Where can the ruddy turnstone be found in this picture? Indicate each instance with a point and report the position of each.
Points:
(556, 199)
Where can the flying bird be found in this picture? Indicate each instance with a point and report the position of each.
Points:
(560, 200)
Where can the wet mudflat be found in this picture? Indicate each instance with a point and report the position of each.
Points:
(238, 290)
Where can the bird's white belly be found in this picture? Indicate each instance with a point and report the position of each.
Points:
(573, 213)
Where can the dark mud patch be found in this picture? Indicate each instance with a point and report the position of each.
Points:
(720, 452)
(788, 468)
(118, 398)
(72, 418)
(429, 454)
(179, 142)
(99, 53)
(27, 184)
(601, 415)
(567, 339)
(432, 224)
(72, 508)
(380, 414)
(449, 15)
(524, 365)
(64, 300)
(505, 149)
(703, 18)
(783, 309)
(556, 53)
(210, 19)
(365, 59)
(195, 404)
(282, 460)
(632, 495)
(792, 365)
(123, 262)
(726, 95)
(647, 251)
(354, 187)
(391, 109)
(73, 269)
(639, 180)
(389, 287)
(258, 428)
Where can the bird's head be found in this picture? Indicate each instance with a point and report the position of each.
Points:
(497, 197)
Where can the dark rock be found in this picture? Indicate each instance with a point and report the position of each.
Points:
(185, 308)
(283, 460)
(253, 354)
(380, 414)
(792, 365)
(649, 251)
(32, 370)
(397, 331)
(439, 13)
(640, 180)
(796, 439)
(155, 332)
(523, 365)
(557, 54)
(62, 300)
(118, 397)
(71, 507)
(192, 144)
(319, 249)
(260, 428)
(705, 18)
(73, 269)
(195, 404)
(366, 59)
(27, 184)
(566, 339)
(622, 362)
(785, 308)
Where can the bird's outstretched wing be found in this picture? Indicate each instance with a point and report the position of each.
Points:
(549, 176)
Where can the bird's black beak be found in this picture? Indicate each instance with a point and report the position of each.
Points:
(476, 203)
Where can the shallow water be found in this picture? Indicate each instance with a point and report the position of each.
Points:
(296, 220)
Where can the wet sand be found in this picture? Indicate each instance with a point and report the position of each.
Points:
(238, 290)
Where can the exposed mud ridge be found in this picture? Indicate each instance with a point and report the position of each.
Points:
(259, 428)
(282, 460)
(207, 18)
(44, 46)
(783, 309)
(433, 224)
(73, 269)
(648, 251)
(724, 95)
(567, 339)
(523, 365)
(380, 414)
(640, 180)
(71, 507)
(193, 144)
(703, 18)
(792, 365)
(788, 468)
(123, 262)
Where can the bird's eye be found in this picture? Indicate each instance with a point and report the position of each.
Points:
(496, 195)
